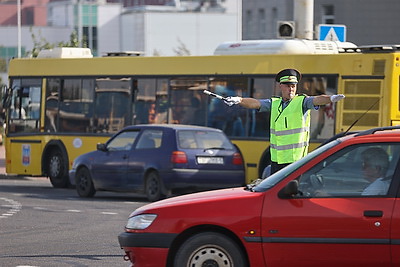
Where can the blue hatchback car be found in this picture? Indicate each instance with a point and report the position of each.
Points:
(160, 160)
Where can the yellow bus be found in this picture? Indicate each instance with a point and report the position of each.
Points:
(59, 108)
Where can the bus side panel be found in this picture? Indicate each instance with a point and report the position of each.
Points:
(23, 157)
(252, 152)
(78, 145)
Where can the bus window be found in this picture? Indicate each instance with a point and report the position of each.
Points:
(262, 88)
(76, 107)
(163, 113)
(24, 112)
(144, 104)
(113, 104)
(323, 119)
(188, 103)
(232, 120)
(52, 105)
(151, 101)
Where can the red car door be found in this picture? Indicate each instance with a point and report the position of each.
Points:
(395, 234)
(327, 232)
(330, 221)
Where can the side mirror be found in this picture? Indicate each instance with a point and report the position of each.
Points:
(101, 147)
(266, 172)
(290, 190)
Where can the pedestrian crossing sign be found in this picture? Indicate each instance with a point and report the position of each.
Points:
(332, 32)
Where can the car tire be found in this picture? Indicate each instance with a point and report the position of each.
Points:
(211, 249)
(84, 183)
(56, 169)
(153, 187)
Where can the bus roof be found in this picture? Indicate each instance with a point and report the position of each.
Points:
(278, 46)
(66, 52)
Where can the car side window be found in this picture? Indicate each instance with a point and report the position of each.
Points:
(150, 139)
(122, 141)
(356, 171)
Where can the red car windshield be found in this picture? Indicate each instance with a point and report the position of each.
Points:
(275, 178)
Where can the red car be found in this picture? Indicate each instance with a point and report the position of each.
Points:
(338, 206)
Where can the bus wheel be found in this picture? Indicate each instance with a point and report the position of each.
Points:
(84, 183)
(153, 186)
(210, 249)
(56, 169)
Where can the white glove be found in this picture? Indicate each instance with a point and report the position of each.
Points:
(232, 100)
(336, 98)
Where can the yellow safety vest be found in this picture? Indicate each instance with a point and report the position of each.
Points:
(290, 130)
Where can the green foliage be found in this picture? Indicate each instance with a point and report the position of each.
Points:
(3, 66)
(40, 43)
(73, 41)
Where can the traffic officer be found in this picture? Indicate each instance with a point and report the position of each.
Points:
(290, 118)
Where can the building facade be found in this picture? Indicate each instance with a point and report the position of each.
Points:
(109, 26)
(367, 21)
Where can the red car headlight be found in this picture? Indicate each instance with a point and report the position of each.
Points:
(140, 222)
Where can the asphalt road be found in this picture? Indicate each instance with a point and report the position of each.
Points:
(44, 226)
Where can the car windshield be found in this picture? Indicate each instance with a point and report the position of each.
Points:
(200, 139)
(275, 178)
(123, 141)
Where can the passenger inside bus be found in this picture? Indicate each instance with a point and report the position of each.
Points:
(222, 117)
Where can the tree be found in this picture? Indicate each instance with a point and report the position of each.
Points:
(3, 65)
(181, 50)
(40, 43)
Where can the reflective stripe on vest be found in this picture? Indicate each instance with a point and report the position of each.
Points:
(289, 130)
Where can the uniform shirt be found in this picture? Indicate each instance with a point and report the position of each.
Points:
(307, 104)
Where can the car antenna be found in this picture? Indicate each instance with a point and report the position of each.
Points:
(362, 115)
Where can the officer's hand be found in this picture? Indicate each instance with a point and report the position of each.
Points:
(336, 98)
(232, 100)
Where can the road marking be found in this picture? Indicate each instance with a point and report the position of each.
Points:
(39, 208)
(14, 207)
(74, 210)
(109, 213)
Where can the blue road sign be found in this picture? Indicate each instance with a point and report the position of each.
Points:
(332, 32)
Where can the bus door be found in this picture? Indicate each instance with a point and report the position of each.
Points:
(364, 106)
(23, 109)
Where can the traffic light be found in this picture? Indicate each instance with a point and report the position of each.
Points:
(286, 29)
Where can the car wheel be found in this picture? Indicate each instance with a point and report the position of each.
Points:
(84, 183)
(210, 249)
(56, 169)
(153, 187)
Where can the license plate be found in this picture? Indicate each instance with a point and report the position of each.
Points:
(210, 160)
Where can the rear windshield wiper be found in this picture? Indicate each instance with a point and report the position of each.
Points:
(214, 148)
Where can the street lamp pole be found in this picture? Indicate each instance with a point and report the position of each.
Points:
(19, 26)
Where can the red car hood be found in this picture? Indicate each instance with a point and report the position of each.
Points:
(222, 195)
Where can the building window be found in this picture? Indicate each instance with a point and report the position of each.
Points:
(273, 22)
(249, 24)
(262, 25)
(328, 14)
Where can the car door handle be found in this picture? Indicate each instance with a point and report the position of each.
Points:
(373, 213)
